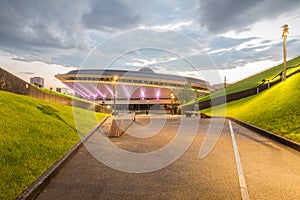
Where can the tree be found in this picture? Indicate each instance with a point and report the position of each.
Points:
(186, 94)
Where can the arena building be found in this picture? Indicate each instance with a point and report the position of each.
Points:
(132, 90)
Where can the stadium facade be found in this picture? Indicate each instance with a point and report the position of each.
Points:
(132, 90)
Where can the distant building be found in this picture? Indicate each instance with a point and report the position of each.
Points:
(62, 90)
(39, 81)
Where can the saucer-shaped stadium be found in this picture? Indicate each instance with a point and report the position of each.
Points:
(131, 90)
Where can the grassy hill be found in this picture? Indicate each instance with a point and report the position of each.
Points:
(255, 80)
(276, 109)
(33, 135)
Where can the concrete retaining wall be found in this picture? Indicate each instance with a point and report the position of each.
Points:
(278, 138)
(238, 95)
(11, 83)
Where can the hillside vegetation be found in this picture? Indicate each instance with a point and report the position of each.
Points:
(271, 74)
(276, 109)
(34, 134)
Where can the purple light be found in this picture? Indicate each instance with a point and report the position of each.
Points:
(70, 85)
(85, 89)
(142, 93)
(98, 92)
(157, 95)
(109, 89)
(83, 94)
(127, 90)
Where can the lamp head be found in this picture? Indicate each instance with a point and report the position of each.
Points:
(285, 29)
(115, 77)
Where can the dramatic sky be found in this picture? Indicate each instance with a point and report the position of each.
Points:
(235, 37)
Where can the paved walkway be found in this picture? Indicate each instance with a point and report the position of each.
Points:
(271, 170)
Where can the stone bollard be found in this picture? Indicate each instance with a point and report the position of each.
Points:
(120, 124)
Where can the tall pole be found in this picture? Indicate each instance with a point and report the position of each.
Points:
(284, 58)
(115, 79)
(114, 91)
(172, 103)
(285, 32)
(147, 112)
(172, 108)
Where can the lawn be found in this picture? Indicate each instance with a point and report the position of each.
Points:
(255, 80)
(276, 109)
(34, 135)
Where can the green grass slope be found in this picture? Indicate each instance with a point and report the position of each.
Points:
(33, 135)
(276, 109)
(256, 79)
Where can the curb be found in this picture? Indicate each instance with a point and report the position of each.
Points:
(268, 134)
(38, 185)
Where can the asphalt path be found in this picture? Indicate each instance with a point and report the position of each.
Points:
(241, 164)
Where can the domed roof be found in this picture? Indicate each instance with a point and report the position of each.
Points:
(146, 70)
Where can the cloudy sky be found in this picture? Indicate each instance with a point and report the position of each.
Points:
(234, 37)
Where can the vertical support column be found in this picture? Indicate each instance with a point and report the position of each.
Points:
(284, 58)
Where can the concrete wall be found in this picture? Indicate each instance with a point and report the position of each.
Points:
(238, 95)
(11, 83)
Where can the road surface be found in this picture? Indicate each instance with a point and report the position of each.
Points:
(252, 167)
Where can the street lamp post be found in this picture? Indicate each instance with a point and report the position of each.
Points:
(115, 78)
(147, 112)
(285, 32)
(172, 103)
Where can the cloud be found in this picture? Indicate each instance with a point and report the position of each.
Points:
(29, 73)
(107, 15)
(226, 15)
(226, 42)
(20, 59)
(66, 32)
(241, 57)
(32, 25)
(153, 47)
(12, 64)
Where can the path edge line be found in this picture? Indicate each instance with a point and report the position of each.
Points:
(282, 140)
(239, 166)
